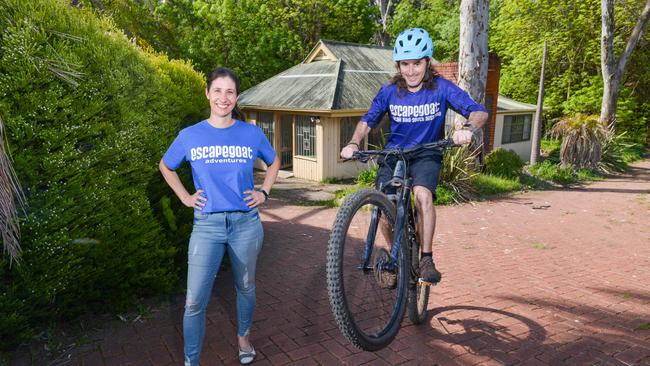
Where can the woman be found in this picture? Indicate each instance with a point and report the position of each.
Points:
(221, 151)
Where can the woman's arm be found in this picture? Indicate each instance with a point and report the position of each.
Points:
(171, 177)
(256, 198)
(271, 175)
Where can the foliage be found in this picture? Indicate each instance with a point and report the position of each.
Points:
(551, 149)
(88, 115)
(582, 140)
(444, 196)
(11, 201)
(548, 171)
(457, 172)
(573, 79)
(618, 151)
(367, 177)
(256, 38)
(438, 17)
(489, 185)
(503, 163)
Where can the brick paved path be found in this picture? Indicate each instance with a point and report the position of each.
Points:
(541, 278)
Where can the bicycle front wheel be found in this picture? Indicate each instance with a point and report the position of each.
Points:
(367, 296)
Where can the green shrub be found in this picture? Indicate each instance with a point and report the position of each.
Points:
(367, 177)
(444, 196)
(88, 116)
(457, 171)
(503, 163)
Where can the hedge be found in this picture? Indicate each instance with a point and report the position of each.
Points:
(88, 116)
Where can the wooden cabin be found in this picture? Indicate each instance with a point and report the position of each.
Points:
(309, 111)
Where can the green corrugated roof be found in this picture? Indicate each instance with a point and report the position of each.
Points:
(349, 82)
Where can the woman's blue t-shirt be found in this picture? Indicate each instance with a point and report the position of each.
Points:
(418, 118)
(222, 161)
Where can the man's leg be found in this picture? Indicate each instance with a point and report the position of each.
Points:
(426, 227)
(426, 216)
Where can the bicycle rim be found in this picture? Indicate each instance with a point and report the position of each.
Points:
(367, 313)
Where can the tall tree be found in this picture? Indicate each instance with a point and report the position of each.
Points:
(537, 122)
(473, 47)
(386, 7)
(613, 68)
(473, 53)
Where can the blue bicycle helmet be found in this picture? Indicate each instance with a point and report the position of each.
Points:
(412, 44)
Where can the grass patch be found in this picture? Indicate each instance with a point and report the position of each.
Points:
(548, 171)
(540, 246)
(643, 326)
(489, 185)
(588, 175)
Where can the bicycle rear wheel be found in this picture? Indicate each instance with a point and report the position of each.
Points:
(368, 312)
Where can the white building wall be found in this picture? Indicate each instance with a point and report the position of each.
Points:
(522, 148)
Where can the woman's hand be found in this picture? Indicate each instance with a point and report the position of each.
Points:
(254, 198)
(196, 200)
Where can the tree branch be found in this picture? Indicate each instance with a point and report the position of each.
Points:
(636, 34)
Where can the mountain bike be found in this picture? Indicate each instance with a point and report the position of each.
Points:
(373, 257)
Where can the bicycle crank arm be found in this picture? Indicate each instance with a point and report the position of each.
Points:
(426, 283)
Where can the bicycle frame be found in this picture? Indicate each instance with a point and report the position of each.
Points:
(403, 205)
(402, 201)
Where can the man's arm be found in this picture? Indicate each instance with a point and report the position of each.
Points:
(360, 132)
(475, 121)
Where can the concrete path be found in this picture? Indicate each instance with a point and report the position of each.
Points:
(540, 278)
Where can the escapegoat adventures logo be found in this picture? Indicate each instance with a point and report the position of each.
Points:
(415, 113)
(220, 154)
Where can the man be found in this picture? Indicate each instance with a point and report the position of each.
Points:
(416, 99)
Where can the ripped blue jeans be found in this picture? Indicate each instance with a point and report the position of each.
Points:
(239, 233)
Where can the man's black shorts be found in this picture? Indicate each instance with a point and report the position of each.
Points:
(424, 168)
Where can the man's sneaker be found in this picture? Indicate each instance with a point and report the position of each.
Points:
(428, 271)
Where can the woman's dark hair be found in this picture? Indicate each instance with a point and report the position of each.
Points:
(429, 80)
(221, 72)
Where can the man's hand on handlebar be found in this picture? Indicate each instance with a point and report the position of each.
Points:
(349, 150)
(462, 137)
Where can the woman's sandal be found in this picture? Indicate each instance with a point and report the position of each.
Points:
(246, 357)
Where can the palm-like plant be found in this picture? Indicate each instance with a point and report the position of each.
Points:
(458, 168)
(582, 140)
(11, 199)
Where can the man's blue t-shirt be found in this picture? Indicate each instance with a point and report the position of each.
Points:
(418, 118)
(222, 161)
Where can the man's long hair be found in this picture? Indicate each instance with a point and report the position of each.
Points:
(429, 80)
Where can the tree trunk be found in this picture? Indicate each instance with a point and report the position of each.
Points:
(385, 11)
(473, 48)
(473, 53)
(537, 123)
(613, 68)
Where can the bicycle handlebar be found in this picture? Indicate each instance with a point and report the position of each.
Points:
(366, 155)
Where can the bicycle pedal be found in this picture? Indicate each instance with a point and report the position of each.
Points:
(426, 283)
